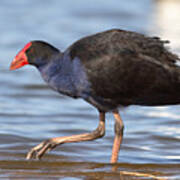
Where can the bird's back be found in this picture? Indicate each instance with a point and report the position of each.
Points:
(116, 41)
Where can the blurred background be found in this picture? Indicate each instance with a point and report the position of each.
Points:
(30, 112)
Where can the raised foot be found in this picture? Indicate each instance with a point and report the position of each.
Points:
(38, 151)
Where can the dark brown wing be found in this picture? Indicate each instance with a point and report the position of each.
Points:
(126, 67)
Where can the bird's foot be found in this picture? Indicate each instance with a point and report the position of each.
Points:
(39, 150)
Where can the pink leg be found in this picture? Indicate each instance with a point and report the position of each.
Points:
(118, 136)
(39, 150)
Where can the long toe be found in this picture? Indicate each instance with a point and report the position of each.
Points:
(30, 154)
(34, 151)
(39, 150)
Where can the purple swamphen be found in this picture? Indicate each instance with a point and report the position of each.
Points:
(111, 69)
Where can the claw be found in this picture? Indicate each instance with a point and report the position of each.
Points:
(39, 150)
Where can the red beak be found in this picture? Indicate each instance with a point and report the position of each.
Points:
(19, 61)
(21, 58)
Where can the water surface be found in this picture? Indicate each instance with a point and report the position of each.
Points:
(30, 112)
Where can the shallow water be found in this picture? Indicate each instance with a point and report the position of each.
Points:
(30, 112)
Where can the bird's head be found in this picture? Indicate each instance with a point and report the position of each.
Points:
(35, 53)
